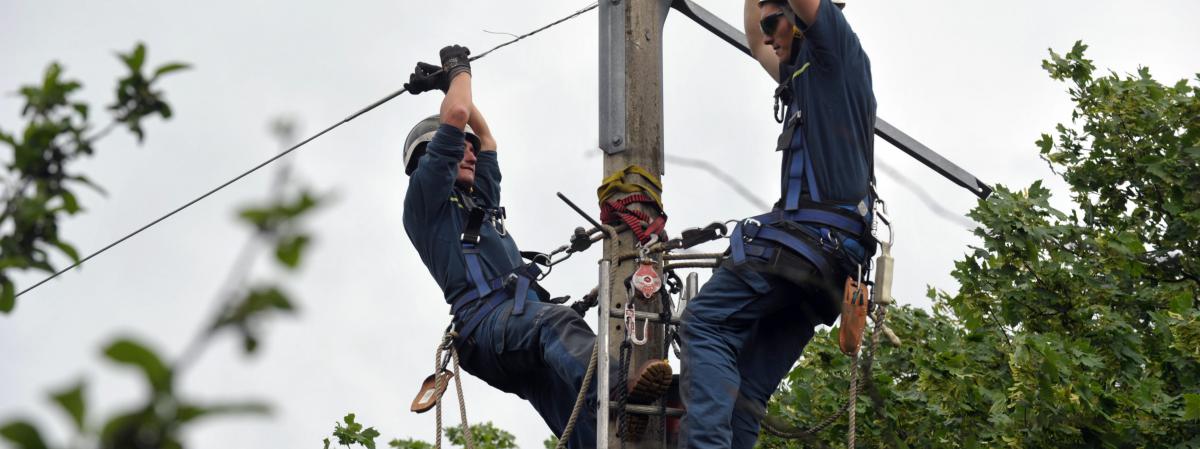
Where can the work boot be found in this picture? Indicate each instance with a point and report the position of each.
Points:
(653, 379)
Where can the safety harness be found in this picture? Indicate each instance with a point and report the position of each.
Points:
(493, 291)
(827, 236)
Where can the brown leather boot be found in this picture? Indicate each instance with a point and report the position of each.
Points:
(651, 382)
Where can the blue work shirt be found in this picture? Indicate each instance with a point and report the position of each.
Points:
(830, 79)
(434, 220)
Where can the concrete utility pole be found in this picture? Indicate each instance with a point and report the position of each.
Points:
(631, 133)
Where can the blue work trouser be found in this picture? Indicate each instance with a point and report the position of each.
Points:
(541, 356)
(741, 335)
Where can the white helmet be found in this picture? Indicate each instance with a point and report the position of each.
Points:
(419, 137)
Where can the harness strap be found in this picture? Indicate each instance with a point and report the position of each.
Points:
(747, 232)
(522, 278)
(475, 269)
(492, 301)
(819, 215)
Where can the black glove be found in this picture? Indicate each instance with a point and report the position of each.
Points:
(454, 60)
(427, 77)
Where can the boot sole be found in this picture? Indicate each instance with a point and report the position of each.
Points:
(651, 384)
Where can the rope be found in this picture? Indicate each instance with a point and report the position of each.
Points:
(852, 403)
(580, 399)
(623, 398)
(447, 344)
(439, 383)
(468, 439)
(784, 430)
(610, 233)
(353, 116)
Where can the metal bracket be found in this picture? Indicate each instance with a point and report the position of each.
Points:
(612, 76)
(931, 159)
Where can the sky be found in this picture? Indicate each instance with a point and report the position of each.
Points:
(962, 77)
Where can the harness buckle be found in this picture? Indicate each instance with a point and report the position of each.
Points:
(498, 216)
(750, 229)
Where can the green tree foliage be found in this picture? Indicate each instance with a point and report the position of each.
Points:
(1070, 328)
(485, 435)
(276, 223)
(39, 187)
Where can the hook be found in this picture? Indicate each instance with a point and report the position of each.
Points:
(631, 326)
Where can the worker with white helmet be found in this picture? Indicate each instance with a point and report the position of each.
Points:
(787, 269)
(507, 333)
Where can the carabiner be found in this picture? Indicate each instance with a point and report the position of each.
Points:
(631, 326)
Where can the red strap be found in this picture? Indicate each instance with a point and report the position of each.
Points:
(639, 222)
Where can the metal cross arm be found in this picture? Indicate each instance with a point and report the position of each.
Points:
(883, 129)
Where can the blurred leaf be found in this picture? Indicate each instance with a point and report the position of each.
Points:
(138, 429)
(22, 434)
(69, 203)
(168, 68)
(133, 353)
(258, 300)
(88, 182)
(67, 249)
(1191, 408)
(290, 248)
(135, 58)
(190, 412)
(8, 299)
(409, 443)
(72, 402)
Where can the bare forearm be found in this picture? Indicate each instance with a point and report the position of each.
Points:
(480, 126)
(457, 106)
(754, 35)
(806, 10)
(754, 39)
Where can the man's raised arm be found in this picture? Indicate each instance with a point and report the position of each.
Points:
(754, 39)
(806, 10)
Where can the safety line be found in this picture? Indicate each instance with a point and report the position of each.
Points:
(362, 111)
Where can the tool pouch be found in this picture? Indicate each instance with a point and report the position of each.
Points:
(854, 316)
(431, 391)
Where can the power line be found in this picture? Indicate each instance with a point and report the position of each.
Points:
(930, 202)
(721, 175)
(353, 116)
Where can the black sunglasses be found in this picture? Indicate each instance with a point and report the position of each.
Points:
(769, 22)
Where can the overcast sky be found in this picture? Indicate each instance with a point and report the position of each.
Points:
(963, 77)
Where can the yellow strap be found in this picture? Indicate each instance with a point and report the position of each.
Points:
(616, 183)
(801, 71)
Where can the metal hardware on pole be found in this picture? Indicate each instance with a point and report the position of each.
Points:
(604, 298)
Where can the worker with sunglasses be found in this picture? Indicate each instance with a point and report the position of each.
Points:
(506, 331)
(787, 269)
